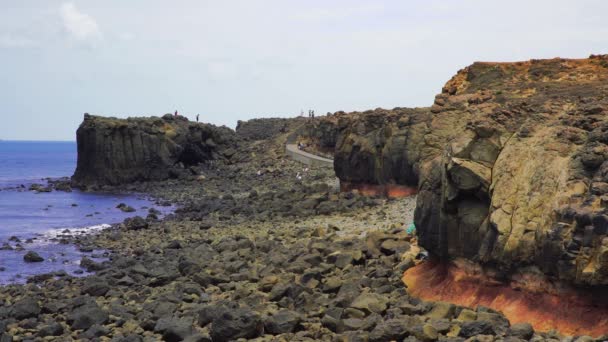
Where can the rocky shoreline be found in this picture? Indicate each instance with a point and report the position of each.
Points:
(261, 256)
(267, 249)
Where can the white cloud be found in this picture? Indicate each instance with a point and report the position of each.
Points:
(78, 25)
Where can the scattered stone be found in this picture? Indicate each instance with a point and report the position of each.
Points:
(25, 308)
(87, 315)
(370, 303)
(174, 329)
(282, 322)
(32, 256)
(521, 330)
(90, 265)
(135, 223)
(125, 208)
(235, 324)
(473, 328)
(52, 329)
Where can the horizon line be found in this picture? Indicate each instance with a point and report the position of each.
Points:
(33, 140)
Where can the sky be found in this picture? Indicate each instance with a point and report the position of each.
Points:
(237, 60)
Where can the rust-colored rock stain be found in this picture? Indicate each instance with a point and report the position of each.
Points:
(525, 298)
(385, 190)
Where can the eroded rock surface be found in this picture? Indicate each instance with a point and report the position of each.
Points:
(510, 164)
(115, 151)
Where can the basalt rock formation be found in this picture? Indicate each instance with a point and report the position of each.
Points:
(511, 165)
(266, 128)
(115, 151)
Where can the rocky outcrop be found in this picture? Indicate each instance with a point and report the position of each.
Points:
(267, 128)
(510, 163)
(115, 151)
(521, 185)
(381, 147)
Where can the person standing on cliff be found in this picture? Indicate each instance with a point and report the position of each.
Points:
(175, 114)
(197, 117)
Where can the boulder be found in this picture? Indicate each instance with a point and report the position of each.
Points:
(125, 208)
(282, 322)
(32, 256)
(25, 308)
(135, 223)
(236, 323)
(87, 315)
(473, 328)
(521, 330)
(174, 329)
(51, 329)
(95, 286)
(370, 303)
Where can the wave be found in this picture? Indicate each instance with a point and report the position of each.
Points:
(52, 235)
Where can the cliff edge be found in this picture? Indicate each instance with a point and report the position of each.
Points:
(510, 162)
(115, 151)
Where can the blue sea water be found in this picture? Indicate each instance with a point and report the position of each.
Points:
(43, 216)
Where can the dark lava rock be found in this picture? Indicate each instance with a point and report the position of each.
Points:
(52, 329)
(470, 329)
(169, 144)
(87, 315)
(235, 324)
(282, 322)
(32, 256)
(174, 244)
(208, 313)
(63, 186)
(392, 329)
(96, 331)
(521, 330)
(95, 286)
(25, 308)
(135, 223)
(173, 329)
(125, 208)
(90, 265)
(332, 319)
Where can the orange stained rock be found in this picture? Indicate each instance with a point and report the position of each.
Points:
(525, 298)
(386, 190)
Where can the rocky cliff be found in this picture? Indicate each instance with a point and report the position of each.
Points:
(115, 151)
(266, 128)
(511, 164)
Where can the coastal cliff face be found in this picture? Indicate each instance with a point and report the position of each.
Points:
(511, 164)
(115, 151)
(266, 128)
(522, 184)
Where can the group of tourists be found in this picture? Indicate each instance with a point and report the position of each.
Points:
(176, 115)
(311, 114)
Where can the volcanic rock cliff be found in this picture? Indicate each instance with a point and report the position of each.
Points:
(511, 165)
(115, 151)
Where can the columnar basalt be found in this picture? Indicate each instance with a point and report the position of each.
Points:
(115, 151)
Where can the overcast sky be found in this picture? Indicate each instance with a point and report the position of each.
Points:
(235, 60)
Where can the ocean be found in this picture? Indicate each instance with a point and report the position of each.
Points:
(42, 216)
